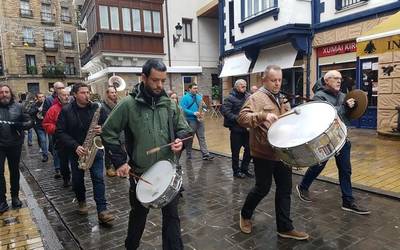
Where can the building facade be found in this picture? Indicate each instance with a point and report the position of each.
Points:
(337, 25)
(262, 32)
(122, 35)
(38, 44)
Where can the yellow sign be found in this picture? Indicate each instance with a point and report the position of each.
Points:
(378, 46)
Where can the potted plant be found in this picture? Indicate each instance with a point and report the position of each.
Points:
(32, 70)
(216, 93)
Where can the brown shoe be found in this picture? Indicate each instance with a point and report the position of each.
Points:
(111, 172)
(297, 235)
(105, 217)
(245, 225)
(82, 208)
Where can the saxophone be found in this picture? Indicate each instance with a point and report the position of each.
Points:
(92, 142)
(201, 111)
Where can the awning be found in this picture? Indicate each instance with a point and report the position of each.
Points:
(208, 10)
(235, 65)
(282, 55)
(185, 69)
(381, 38)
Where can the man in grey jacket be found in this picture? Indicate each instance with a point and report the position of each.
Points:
(328, 89)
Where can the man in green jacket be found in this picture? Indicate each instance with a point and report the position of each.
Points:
(144, 115)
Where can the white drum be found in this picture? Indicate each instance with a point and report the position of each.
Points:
(166, 181)
(310, 137)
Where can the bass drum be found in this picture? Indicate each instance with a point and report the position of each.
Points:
(166, 181)
(310, 137)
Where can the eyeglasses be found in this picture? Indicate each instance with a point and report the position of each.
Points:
(336, 78)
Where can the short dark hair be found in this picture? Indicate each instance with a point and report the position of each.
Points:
(192, 85)
(8, 86)
(77, 86)
(153, 64)
(110, 87)
(39, 93)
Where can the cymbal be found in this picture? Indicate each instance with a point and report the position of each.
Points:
(361, 105)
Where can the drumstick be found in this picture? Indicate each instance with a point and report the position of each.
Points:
(140, 178)
(291, 112)
(156, 149)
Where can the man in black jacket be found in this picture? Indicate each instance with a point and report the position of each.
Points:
(239, 136)
(13, 120)
(73, 124)
(36, 112)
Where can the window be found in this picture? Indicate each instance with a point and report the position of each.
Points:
(137, 26)
(341, 4)
(104, 22)
(67, 39)
(188, 80)
(33, 87)
(49, 39)
(25, 8)
(31, 64)
(46, 13)
(1, 66)
(187, 30)
(126, 19)
(27, 33)
(156, 22)
(114, 18)
(231, 23)
(256, 7)
(51, 60)
(69, 66)
(147, 20)
(65, 15)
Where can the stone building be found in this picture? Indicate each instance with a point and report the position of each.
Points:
(38, 44)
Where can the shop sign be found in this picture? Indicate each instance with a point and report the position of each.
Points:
(378, 46)
(336, 49)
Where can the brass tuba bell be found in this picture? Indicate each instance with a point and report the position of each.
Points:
(117, 82)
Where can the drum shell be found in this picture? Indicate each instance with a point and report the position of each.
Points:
(317, 150)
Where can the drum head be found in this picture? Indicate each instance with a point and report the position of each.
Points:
(296, 129)
(160, 176)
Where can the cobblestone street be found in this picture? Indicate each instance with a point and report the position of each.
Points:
(210, 213)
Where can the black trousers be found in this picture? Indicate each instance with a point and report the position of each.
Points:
(171, 226)
(64, 164)
(13, 155)
(239, 140)
(264, 170)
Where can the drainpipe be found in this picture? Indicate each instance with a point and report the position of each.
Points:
(308, 70)
(2, 23)
(168, 43)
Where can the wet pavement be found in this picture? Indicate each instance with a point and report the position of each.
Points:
(210, 213)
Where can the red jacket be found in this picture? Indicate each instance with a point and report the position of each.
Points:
(50, 120)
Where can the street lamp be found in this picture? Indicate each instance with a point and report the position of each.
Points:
(178, 32)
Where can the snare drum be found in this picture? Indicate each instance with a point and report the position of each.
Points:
(166, 181)
(310, 137)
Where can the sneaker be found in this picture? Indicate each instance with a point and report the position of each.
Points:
(16, 202)
(111, 172)
(66, 183)
(297, 235)
(3, 207)
(248, 174)
(303, 194)
(239, 175)
(82, 208)
(353, 207)
(105, 217)
(45, 158)
(57, 175)
(30, 144)
(208, 157)
(245, 225)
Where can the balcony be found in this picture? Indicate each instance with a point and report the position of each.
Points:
(69, 45)
(346, 4)
(66, 19)
(31, 69)
(86, 55)
(48, 18)
(53, 71)
(50, 45)
(27, 13)
(29, 42)
(70, 70)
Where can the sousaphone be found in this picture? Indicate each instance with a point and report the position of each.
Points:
(361, 103)
(117, 82)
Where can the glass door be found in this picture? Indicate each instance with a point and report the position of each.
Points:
(368, 82)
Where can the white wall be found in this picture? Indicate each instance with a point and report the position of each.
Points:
(204, 48)
(331, 13)
(290, 12)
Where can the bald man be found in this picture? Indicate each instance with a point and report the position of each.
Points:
(328, 89)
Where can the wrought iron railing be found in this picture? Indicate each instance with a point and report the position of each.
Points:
(342, 4)
(25, 12)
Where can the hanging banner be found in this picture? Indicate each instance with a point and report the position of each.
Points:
(378, 46)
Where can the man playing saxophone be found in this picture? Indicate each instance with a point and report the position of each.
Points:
(74, 123)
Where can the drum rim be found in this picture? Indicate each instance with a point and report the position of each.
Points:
(318, 101)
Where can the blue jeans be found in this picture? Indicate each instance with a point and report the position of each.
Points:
(344, 166)
(42, 139)
(96, 174)
(53, 151)
(30, 136)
